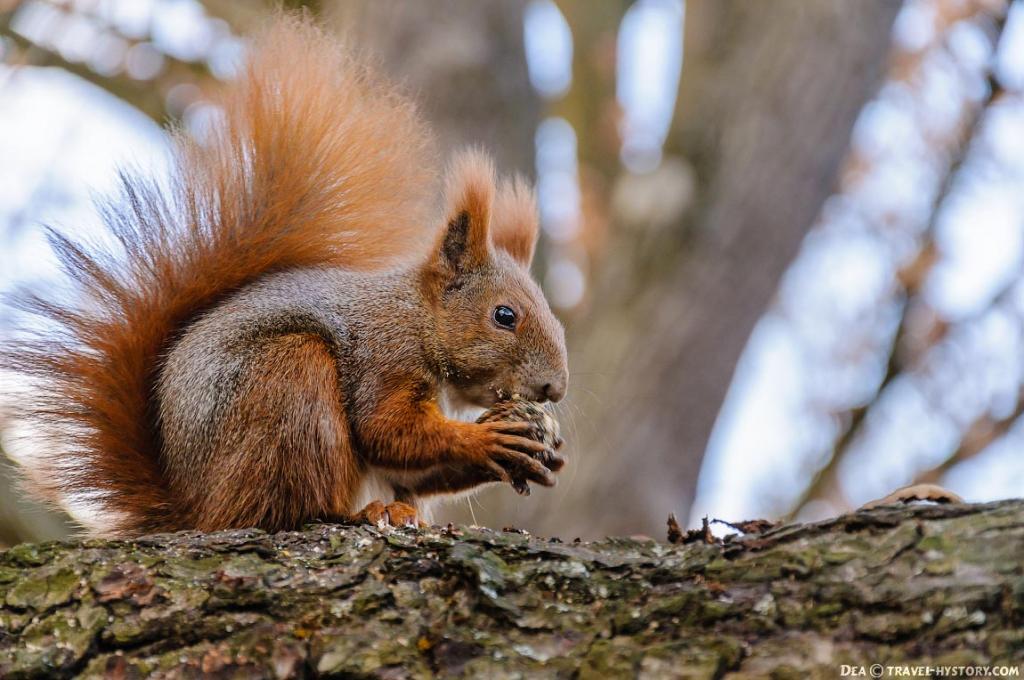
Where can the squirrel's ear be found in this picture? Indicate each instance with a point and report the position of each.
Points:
(469, 195)
(516, 225)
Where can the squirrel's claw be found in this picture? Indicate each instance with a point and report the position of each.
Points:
(524, 444)
(551, 460)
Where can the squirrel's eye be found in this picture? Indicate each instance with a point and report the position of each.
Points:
(505, 317)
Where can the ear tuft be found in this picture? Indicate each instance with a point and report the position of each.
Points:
(470, 186)
(469, 195)
(516, 225)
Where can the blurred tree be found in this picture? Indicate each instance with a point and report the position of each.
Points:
(921, 332)
(675, 303)
(149, 94)
(464, 61)
(746, 136)
(22, 520)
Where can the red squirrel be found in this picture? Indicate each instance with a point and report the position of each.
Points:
(286, 317)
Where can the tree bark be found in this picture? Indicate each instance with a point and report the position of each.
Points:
(934, 585)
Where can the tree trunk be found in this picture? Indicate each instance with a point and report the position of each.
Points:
(768, 98)
(933, 585)
(465, 63)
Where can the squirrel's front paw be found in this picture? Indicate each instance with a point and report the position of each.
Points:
(531, 420)
(516, 458)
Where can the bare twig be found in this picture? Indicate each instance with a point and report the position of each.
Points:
(981, 433)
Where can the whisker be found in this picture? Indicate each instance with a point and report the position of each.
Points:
(591, 393)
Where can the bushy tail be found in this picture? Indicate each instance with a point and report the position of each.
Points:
(314, 162)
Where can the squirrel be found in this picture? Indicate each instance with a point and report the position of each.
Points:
(286, 318)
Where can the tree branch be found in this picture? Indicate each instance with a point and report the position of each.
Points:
(360, 602)
(982, 432)
(148, 96)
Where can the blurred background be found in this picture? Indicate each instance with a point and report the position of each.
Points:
(785, 237)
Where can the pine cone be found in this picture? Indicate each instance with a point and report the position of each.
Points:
(544, 429)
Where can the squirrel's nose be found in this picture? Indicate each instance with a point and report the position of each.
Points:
(553, 391)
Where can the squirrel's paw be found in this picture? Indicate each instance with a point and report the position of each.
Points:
(516, 458)
(543, 426)
(396, 514)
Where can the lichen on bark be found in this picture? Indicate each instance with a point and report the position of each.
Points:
(939, 585)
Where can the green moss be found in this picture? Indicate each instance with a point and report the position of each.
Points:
(125, 630)
(793, 613)
(42, 589)
(962, 657)
(9, 574)
(615, 658)
(934, 542)
(713, 610)
(835, 557)
(943, 567)
(786, 672)
(339, 653)
(56, 643)
(827, 610)
(28, 554)
(186, 569)
(370, 598)
(27, 593)
(889, 626)
(1002, 645)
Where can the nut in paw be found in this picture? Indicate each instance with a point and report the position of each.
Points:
(543, 428)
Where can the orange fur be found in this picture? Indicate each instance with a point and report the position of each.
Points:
(315, 162)
(410, 434)
(470, 193)
(284, 449)
(516, 226)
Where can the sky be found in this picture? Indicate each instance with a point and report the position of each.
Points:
(62, 140)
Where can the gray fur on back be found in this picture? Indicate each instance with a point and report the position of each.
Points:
(200, 376)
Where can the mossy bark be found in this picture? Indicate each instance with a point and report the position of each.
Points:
(939, 585)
